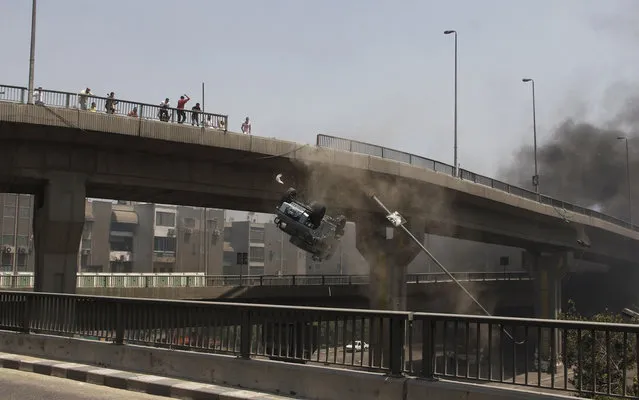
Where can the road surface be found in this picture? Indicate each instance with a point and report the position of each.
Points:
(20, 385)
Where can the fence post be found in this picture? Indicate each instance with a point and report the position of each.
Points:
(261, 280)
(119, 323)
(428, 341)
(245, 335)
(397, 332)
(28, 306)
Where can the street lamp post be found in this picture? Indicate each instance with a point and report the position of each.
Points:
(32, 53)
(628, 177)
(534, 113)
(456, 170)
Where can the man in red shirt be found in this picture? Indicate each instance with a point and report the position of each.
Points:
(180, 108)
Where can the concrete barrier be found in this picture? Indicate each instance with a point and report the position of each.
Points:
(304, 381)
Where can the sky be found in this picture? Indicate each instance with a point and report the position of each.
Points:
(380, 71)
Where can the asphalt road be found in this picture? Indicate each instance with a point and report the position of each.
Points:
(19, 385)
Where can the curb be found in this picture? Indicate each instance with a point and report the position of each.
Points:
(150, 384)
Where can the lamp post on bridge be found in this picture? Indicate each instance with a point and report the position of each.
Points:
(628, 177)
(535, 179)
(455, 170)
(32, 53)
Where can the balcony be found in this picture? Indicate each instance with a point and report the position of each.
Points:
(164, 256)
(120, 256)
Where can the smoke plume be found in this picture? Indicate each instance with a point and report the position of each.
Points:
(585, 164)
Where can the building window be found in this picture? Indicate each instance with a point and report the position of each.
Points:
(227, 234)
(189, 222)
(6, 261)
(86, 243)
(257, 254)
(7, 239)
(22, 260)
(164, 219)
(242, 258)
(10, 199)
(504, 261)
(9, 211)
(161, 243)
(120, 243)
(256, 234)
(23, 240)
(25, 212)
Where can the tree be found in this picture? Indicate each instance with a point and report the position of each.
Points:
(589, 370)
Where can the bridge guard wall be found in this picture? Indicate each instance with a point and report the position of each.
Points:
(57, 229)
(303, 381)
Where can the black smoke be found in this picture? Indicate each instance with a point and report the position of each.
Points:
(585, 164)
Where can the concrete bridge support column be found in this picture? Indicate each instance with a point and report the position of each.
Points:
(57, 229)
(548, 270)
(388, 253)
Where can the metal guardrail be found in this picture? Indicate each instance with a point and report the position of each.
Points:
(544, 353)
(58, 99)
(132, 280)
(355, 146)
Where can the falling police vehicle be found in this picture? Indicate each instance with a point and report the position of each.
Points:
(308, 225)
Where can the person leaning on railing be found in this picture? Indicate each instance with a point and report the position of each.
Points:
(82, 98)
(163, 113)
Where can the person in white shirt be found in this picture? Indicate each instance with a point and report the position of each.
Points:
(37, 96)
(246, 126)
(82, 98)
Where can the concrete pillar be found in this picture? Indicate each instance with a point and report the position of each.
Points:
(57, 229)
(388, 253)
(548, 270)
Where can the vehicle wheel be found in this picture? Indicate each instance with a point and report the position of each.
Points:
(290, 195)
(317, 213)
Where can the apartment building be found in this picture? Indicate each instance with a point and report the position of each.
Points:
(16, 228)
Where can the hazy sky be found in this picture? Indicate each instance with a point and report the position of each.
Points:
(379, 71)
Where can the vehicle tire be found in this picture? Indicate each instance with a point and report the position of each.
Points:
(317, 213)
(290, 195)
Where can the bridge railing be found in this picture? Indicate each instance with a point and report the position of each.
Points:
(551, 354)
(25, 280)
(401, 156)
(58, 99)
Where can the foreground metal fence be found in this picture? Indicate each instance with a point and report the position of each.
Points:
(383, 152)
(58, 99)
(25, 280)
(582, 357)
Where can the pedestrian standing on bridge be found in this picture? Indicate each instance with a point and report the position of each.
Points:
(180, 106)
(246, 126)
(83, 96)
(163, 114)
(195, 114)
(110, 103)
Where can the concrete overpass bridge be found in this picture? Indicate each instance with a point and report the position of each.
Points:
(63, 154)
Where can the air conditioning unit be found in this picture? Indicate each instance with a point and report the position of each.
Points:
(86, 252)
(3, 248)
(22, 250)
(171, 232)
(188, 231)
(9, 249)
